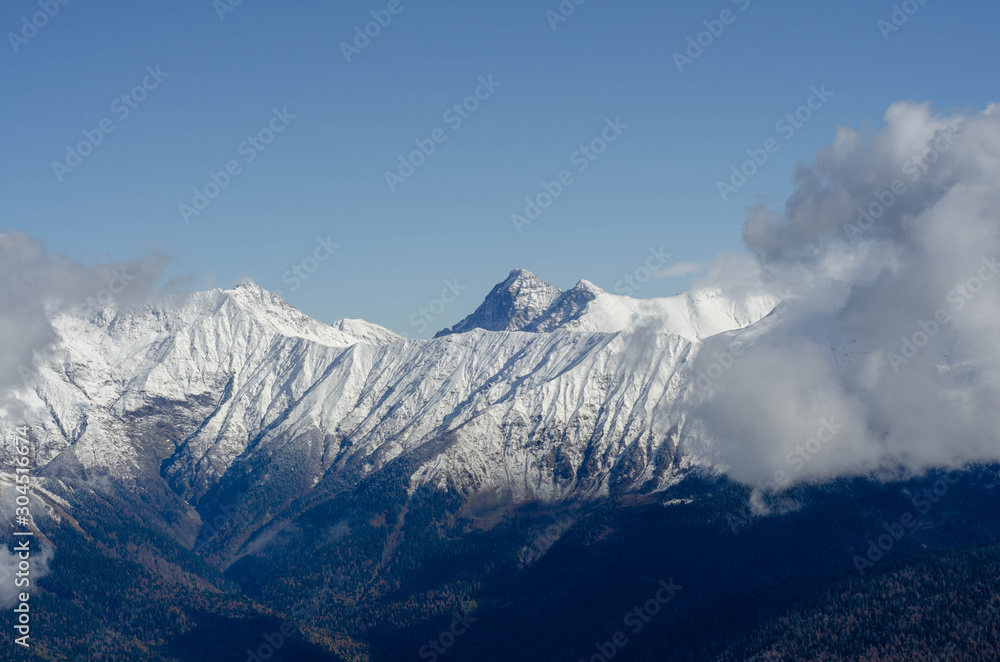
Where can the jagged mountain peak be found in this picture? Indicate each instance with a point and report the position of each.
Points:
(225, 316)
(269, 309)
(248, 284)
(567, 307)
(524, 302)
(586, 286)
(521, 274)
(249, 291)
(511, 305)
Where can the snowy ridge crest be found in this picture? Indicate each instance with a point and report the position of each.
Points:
(208, 389)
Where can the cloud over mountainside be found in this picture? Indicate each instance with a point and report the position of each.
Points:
(38, 283)
(885, 354)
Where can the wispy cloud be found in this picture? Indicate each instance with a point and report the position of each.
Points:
(679, 269)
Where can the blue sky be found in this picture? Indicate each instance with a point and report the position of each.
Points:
(323, 175)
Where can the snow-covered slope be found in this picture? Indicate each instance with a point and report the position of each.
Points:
(581, 392)
(694, 315)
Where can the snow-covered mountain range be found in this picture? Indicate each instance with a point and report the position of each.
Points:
(539, 394)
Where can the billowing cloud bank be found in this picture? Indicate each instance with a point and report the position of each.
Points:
(886, 355)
